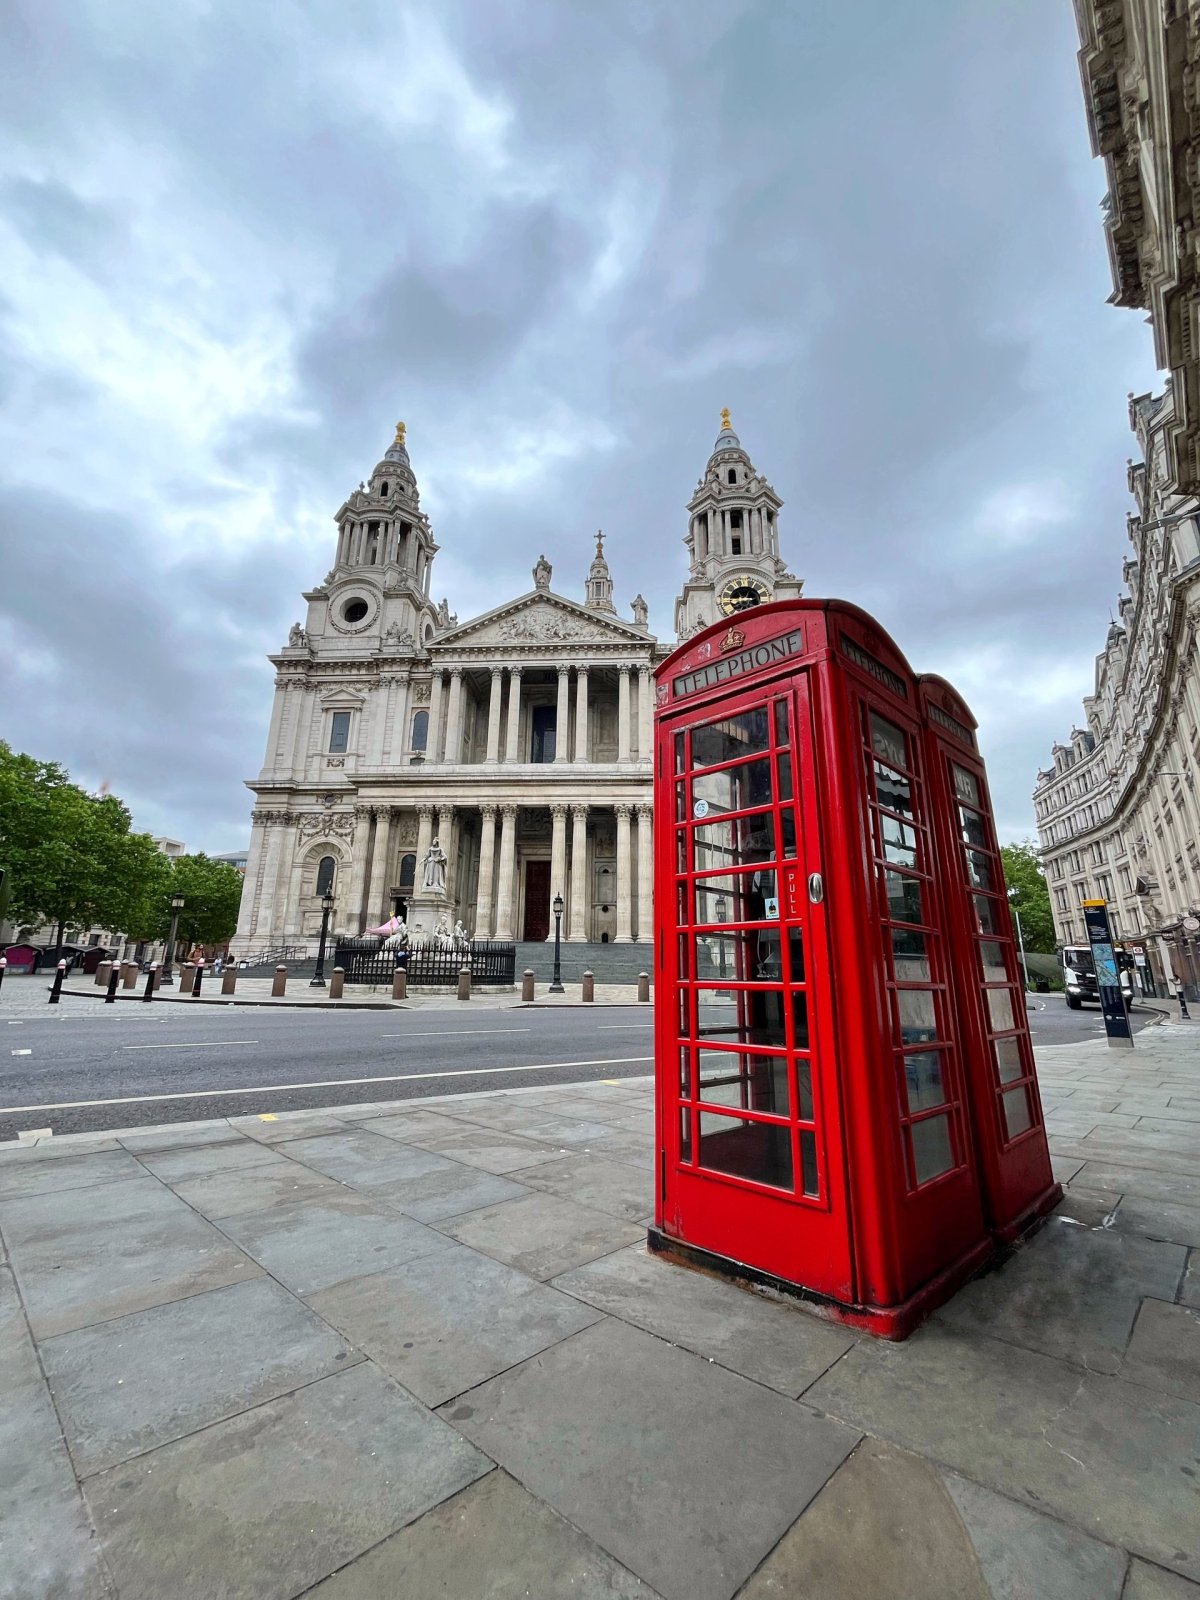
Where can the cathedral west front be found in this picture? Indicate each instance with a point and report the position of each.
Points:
(519, 740)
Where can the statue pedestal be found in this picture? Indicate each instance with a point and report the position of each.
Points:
(425, 911)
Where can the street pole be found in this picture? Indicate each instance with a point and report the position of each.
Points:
(168, 980)
(317, 981)
(556, 986)
(1012, 895)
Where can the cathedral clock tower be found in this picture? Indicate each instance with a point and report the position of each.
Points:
(732, 541)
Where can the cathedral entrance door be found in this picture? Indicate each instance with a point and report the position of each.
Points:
(537, 900)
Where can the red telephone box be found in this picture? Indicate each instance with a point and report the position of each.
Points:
(834, 1057)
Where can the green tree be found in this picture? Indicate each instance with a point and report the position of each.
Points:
(1023, 872)
(212, 895)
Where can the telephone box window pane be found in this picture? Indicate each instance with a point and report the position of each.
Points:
(741, 1016)
(1008, 1060)
(923, 1080)
(1016, 1112)
(907, 943)
(1000, 1009)
(685, 969)
(685, 1025)
(979, 870)
(966, 786)
(991, 955)
(746, 734)
(903, 897)
(679, 761)
(808, 1162)
(974, 829)
(931, 1149)
(888, 741)
(754, 1083)
(761, 1151)
(719, 956)
(893, 790)
(732, 789)
(781, 722)
(985, 914)
(796, 953)
(735, 841)
(800, 1018)
(899, 841)
(685, 1134)
(912, 969)
(766, 949)
(685, 1075)
(785, 777)
(680, 802)
(918, 1021)
(740, 898)
(788, 823)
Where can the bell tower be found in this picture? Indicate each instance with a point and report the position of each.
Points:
(732, 540)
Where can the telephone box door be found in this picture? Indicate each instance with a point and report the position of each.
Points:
(750, 1118)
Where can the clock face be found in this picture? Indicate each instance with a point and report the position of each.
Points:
(742, 591)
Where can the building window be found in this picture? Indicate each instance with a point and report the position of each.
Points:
(735, 519)
(408, 872)
(544, 721)
(326, 868)
(339, 731)
(420, 730)
(383, 487)
(732, 475)
(735, 545)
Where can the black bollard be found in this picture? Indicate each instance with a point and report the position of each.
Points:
(114, 978)
(3, 969)
(56, 989)
(197, 978)
(150, 976)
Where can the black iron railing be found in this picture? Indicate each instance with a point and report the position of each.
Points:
(492, 961)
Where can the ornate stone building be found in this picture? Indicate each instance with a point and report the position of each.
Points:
(520, 739)
(1118, 812)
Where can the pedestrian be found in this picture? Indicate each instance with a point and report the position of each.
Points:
(218, 966)
(1182, 998)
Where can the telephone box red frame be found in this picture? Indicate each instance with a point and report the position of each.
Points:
(840, 1062)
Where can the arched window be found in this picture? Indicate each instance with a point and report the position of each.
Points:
(408, 871)
(383, 488)
(732, 475)
(326, 868)
(420, 730)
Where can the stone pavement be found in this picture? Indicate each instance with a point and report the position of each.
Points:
(419, 1350)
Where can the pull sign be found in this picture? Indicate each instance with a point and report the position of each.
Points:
(816, 888)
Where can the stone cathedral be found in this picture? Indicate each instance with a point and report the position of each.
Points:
(520, 740)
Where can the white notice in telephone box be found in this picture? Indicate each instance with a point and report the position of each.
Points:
(772, 908)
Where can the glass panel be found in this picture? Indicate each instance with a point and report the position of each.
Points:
(808, 1162)
(681, 861)
(735, 841)
(685, 1076)
(974, 829)
(899, 841)
(685, 1134)
(740, 897)
(796, 953)
(907, 943)
(985, 913)
(681, 906)
(903, 897)
(781, 722)
(1008, 1059)
(923, 1080)
(931, 1148)
(741, 1016)
(966, 786)
(733, 789)
(758, 1150)
(800, 1018)
(755, 1083)
(911, 969)
(679, 761)
(1016, 1112)
(979, 870)
(1000, 1009)
(785, 777)
(918, 1023)
(991, 955)
(745, 734)
(788, 829)
(723, 956)
(685, 970)
(766, 949)
(680, 802)
(888, 741)
(893, 790)
(804, 1109)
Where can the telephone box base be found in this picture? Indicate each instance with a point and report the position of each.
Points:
(886, 1322)
(1033, 1214)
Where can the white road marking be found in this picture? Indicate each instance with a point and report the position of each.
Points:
(450, 1033)
(22, 1052)
(622, 1027)
(325, 1083)
(198, 1044)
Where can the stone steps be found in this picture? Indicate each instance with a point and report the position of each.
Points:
(608, 963)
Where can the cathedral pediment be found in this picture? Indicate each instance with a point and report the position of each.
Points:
(539, 618)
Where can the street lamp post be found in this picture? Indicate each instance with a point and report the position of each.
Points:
(317, 981)
(556, 986)
(1012, 895)
(168, 980)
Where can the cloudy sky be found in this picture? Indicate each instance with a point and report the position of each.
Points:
(238, 241)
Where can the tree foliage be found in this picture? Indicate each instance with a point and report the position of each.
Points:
(1023, 872)
(212, 894)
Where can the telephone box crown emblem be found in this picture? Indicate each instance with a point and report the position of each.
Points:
(733, 640)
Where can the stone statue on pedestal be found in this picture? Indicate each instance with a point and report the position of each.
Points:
(434, 870)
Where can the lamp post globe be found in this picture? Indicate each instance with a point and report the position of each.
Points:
(317, 980)
(177, 903)
(556, 985)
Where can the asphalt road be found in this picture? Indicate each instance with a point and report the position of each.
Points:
(74, 1070)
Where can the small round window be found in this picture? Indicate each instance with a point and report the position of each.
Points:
(354, 610)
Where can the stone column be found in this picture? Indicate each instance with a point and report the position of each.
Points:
(558, 856)
(352, 909)
(581, 714)
(624, 875)
(507, 872)
(512, 747)
(454, 717)
(433, 750)
(645, 875)
(380, 868)
(645, 714)
(623, 713)
(493, 729)
(424, 839)
(487, 862)
(578, 922)
(562, 721)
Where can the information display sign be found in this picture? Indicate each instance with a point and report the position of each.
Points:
(1108, 979)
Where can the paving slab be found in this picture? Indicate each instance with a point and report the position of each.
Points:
(1164, 1351)
(361, 1159)
(542, 1235)
(640, 1445)
(890, 1526)
(47, 1548)
(274, 1128)
(500, 1152)
(447, 1192)
(1147, 1582)
(267, 1503)
(1114, 1459)
(493, 1541)
(408, 1125)
(1158, 1219)
(198, 1161)
(328, 1237)
(90, 1268)
(614, 1187)
(130, 1385)
(180, 1137)
(1127, 1178)
(34, 1174)
(782, 1346)
(228, 1194)
(1087, 1208)
(1070, 1292)
(1189, 1293)
(448, 1321)
(630, 1148)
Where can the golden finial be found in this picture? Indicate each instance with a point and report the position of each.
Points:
(399, 439)
(726, 425)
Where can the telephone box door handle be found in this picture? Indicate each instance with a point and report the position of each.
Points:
(816, 888)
